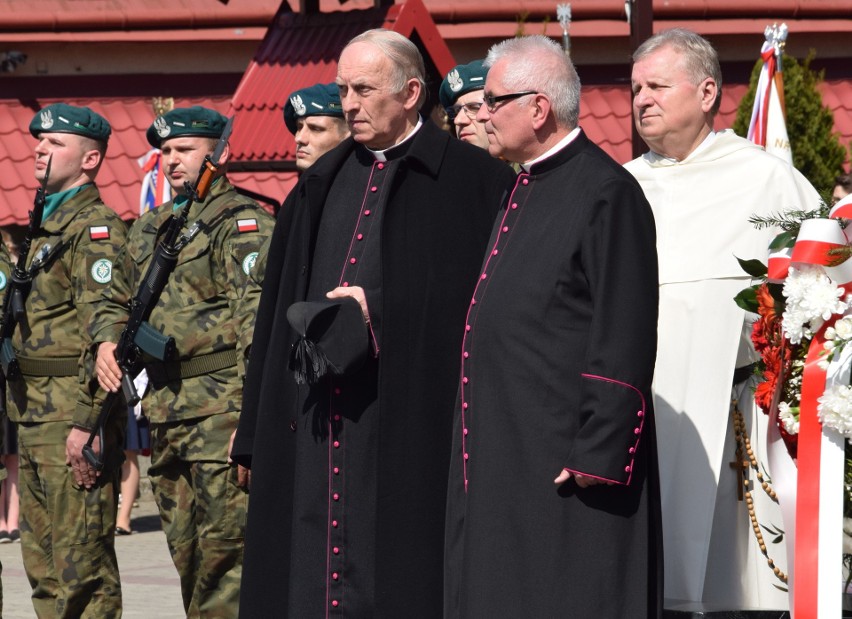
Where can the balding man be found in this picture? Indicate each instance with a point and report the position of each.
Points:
(552, 501)
(349, 468)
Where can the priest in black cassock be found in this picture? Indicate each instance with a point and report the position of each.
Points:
(349, 475)
(553, 501)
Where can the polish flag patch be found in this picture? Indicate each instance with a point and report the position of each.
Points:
(97, 233)
(247, 225)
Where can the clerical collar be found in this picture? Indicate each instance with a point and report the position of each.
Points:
(398, 148)
(559, 146)
(55, 200)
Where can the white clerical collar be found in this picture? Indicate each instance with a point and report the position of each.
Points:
(559, 146)
(380, 154)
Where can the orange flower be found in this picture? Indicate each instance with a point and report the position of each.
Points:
(766, 304)
(774, 362)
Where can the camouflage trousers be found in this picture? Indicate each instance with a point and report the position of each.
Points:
(203, 511)
(67, 532)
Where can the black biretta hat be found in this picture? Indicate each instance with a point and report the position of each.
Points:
(333, 338)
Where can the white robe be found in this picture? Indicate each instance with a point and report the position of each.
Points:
(701, 206)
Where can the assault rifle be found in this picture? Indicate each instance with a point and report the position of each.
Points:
(20, 284)
(138, 335)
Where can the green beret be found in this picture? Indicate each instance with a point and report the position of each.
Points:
(195, 121)
(461, 80)
(64, 118)
(316, 100)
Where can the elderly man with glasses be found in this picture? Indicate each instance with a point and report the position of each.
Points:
(553, 506)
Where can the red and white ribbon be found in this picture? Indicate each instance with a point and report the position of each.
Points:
(815, 590)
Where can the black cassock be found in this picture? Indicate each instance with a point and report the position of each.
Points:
(557, 362)
(349, 477)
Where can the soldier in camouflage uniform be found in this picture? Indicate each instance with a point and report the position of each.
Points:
(208, 307)
(67, 508)
(5, 275)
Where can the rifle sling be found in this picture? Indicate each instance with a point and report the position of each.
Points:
(162, 372)
(49, 366)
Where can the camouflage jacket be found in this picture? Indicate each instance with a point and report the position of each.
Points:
(208, 305)
(71, 308)
(5, 275)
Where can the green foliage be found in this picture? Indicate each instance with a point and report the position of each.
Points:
(755, 268)
(817, 151)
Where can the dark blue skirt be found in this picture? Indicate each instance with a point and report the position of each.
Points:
(138, 436)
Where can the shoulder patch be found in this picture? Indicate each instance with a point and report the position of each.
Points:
(249, 262)
(102, 271)
(3, 280)
(247, 225)
(98, 233)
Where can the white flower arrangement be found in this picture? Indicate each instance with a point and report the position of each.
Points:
(836, 337)
(811, 299)
(789, 416)
(835, 409)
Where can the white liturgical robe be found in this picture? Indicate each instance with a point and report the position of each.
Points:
(701, 206)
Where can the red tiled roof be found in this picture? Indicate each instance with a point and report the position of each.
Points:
(500, 10)
(837, 96)
(301, 50)
(120, 177)
(605, 116)
(92, 15)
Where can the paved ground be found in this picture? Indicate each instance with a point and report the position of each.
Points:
(150, 586)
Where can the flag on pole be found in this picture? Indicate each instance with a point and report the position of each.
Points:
(155, 189)
(768, 127)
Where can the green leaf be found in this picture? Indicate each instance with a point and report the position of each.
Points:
(755, 268)
(785, 239)
(747, 299)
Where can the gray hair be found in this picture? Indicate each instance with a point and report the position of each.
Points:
(406, 60)
(700, 59)
(538, 63)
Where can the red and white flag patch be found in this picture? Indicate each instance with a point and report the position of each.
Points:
(247, 225)
(97, 233)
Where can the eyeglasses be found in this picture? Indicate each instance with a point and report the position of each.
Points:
(470, 110)
(491, 101)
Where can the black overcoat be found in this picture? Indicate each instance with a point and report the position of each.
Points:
(557, 364)
(436, 225)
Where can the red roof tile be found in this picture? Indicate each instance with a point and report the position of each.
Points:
(469, 10)
(605, 116)
(91, 15)
(837, 96)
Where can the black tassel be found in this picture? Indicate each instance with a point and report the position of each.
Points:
(308, 362)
